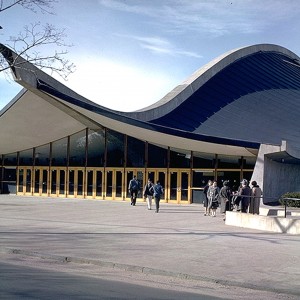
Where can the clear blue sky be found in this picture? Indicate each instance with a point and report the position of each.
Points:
(130, 53)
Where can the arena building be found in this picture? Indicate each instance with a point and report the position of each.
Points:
(237, 117)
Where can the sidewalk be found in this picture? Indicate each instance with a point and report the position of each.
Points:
(178, 241)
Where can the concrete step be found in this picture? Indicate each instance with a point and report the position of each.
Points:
(290, 225)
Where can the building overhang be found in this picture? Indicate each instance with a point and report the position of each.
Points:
(46, 111)
(288, 154)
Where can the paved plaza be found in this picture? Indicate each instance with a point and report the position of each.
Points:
(178, 241)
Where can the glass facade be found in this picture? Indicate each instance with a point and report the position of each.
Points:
(115, 149)
(77, 148)
(96, 148)
(100, 163)
(179, 159)
(42, 155)
(204, 160)
(59, 152)
(135, 153)
(10, 159)
(157, 156)
(26, 158)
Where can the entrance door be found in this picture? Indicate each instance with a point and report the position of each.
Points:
(94, 183)
(28, 181)
(21, 181)
(159, 175)
(54, 182)
(40, 187)
(114, 183)
(140, 175)
(58, 182)
(75, 182)
(179, 182)
(61, 182)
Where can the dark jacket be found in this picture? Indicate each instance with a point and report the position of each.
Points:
(245, 193)
(148, 189)
(134, 185)
(157, 190)
(224, 198)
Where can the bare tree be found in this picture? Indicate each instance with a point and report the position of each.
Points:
(35, 41)
(33, 5)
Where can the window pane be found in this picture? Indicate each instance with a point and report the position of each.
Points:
(179, 158)
(26, 158)
(96, 148)
(10, 174)
(10, 159)
(232, 177)
(77, 149)
(42, 155)
(135, 152)
(200, 178)
(59, 152)
(115, 149)
(203, 160)
(249, 162)
(157, 156)
(229, 162)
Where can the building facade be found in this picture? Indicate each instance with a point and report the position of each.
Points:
(234, 118)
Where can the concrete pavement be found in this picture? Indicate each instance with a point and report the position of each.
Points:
(178, 241)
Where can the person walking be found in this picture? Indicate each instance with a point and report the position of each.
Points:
(157, 192)
(245, 194)
(148, 193)
(133, 188)
(256, 194)
(213, 194)
(224, 198)
(205, 203)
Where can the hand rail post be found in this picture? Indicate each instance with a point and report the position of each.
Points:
(285, 204)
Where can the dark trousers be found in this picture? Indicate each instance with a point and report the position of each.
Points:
(157, 199)
(244, 205)
(133, 194)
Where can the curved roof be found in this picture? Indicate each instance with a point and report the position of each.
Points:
(251, 94)
(228, 107)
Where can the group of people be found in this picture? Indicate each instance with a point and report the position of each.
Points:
(150, 191)
(246, 199)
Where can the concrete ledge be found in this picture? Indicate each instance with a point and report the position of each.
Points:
(279, 212)
(265, 223)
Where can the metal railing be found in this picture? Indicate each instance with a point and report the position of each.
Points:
(285, 200)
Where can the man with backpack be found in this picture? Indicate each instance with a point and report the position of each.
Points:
(133, 188)
(157, 192)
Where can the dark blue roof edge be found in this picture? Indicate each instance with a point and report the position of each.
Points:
(43, 86)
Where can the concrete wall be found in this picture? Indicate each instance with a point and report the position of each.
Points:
(258, 173)
(280, 178)
(273, 177)
(274, 224)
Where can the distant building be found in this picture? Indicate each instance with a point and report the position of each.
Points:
(236, 117)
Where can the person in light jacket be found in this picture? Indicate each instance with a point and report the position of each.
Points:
(255, 199)
(213, 195)
(148, 193)
(205, 202)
